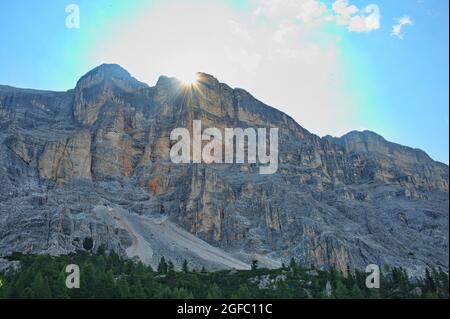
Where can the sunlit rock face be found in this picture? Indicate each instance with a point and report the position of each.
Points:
(345, 202)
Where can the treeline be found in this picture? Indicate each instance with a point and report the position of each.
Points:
(109, 276)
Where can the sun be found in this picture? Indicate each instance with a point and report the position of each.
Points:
(188, 78)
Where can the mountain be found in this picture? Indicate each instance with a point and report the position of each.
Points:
(93, 163)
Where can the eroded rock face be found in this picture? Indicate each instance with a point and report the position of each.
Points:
(346, 202)
(67, 158)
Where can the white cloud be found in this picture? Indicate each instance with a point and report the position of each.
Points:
(344, 11)
(307, 11)
(366, 23)
(303, 10)
(401, 22)
(356, 20)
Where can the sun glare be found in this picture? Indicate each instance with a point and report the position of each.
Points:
(188, 78)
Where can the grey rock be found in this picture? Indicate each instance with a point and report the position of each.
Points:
(7, 266)
(267, 281)
(93, 162)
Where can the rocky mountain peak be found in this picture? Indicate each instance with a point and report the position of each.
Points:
(94, 163)
(103, 83)
(109, 68)
(106, 73)
(371, 142)
(206, 78)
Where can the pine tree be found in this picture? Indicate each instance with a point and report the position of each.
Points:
(182, 293)
(60, 291)
(40, 288)
(430, 285)
(242, 293)
(254, 264)
(293, 264)
(138, 292)
(444, 282)
(107, 285)
(340, 292)
(214, 292)
(88, 244)
(170, 267)
(355, 292)
(164, 292)
(123, 288)
(162, 266)
(101, 250)
(185, 267)
(88, 280)
(283, 290)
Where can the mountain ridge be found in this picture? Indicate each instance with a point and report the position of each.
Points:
(112, 69)
(342, 202)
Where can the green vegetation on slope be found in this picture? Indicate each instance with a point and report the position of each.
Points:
(109, 276)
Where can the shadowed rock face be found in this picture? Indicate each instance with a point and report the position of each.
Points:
(346, 202)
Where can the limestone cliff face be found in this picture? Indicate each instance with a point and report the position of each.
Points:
(67, 158)
(105, 84)
(346, 201)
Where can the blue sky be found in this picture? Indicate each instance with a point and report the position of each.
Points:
(331, 71)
